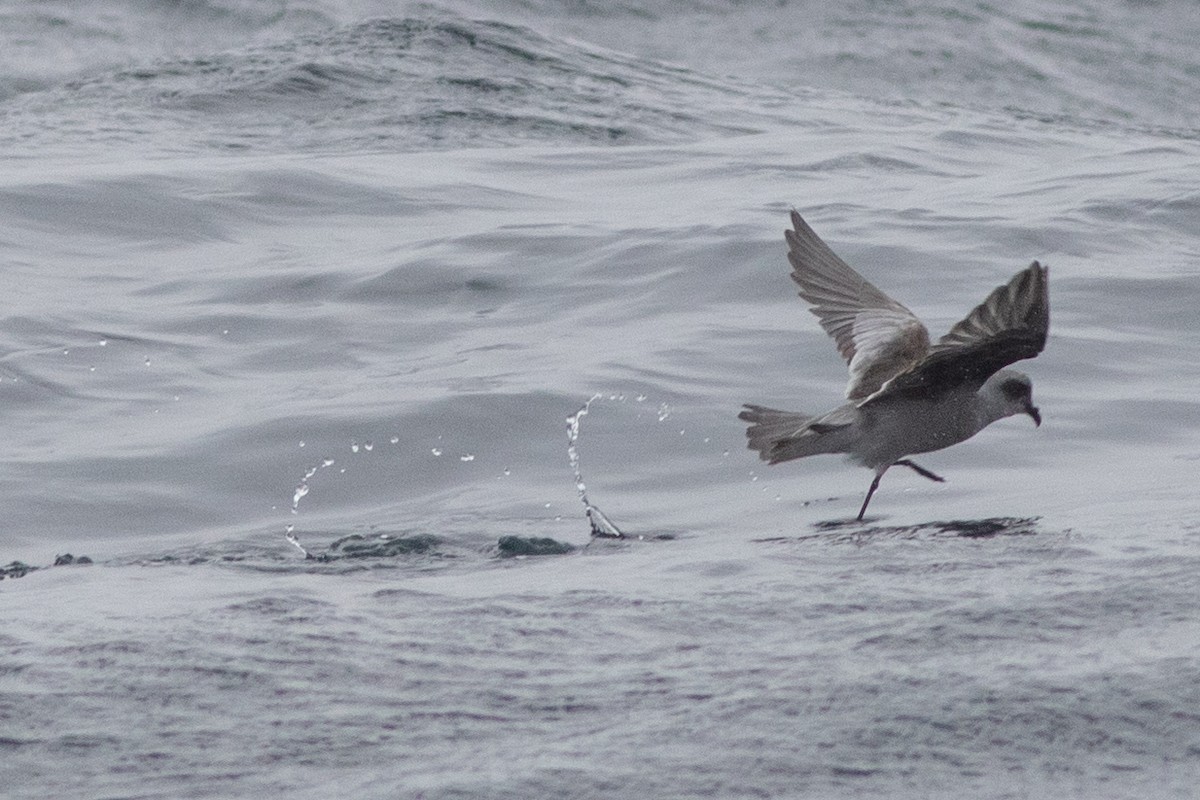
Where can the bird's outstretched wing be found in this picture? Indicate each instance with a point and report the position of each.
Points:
(878, 337)
(1010, 325)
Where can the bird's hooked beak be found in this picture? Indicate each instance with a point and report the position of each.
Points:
(1032, 411)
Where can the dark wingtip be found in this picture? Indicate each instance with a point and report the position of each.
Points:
(789, 234)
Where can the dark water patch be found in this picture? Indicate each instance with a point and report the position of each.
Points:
(12, 743)
(346, 552)
(67, 559)
(323, 552)
(16, 569)
(19, 569)
(994, 526)
(359, 546)
(853, 530)
(513, 546)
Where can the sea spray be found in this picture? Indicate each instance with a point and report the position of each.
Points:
(299, 494)
(600, 524)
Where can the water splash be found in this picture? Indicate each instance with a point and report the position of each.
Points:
(302, 486)
(301, 490)
(602, 527)
(297, 496)
(291, 537)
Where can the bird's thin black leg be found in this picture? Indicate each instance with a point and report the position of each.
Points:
(871, 491)
(921, 471)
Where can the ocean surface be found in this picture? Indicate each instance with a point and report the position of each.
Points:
(300, 298)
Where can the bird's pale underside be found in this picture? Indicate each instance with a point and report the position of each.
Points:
(906, 395)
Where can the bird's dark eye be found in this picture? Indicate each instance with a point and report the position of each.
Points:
(1014, 390)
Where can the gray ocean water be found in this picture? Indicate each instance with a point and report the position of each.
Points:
(343, 270)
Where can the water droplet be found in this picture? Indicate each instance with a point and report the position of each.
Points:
(395, 440)
(302, 443)
(664, 411)
(507, 471)
(354, 447)
(147, 361)
(289, 528)
(91, 369)
(104, 342)
(369, 446)
(547, 505)
(641, 398)
(725, 454)
(327, 462)
(707, 439)
(466, 457)
(66, 352)
(437, 451)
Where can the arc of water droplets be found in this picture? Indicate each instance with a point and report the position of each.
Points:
(601, 526)
(297, 496)
(302, 487)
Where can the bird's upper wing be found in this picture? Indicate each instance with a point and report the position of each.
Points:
(1010, 325)
(878, 337)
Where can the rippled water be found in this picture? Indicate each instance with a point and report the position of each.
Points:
(343, 271)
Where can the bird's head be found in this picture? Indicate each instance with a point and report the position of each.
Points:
(1014, 393)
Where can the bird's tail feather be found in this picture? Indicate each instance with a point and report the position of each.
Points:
(785, 435)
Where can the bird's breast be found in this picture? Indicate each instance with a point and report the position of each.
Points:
(904, 427)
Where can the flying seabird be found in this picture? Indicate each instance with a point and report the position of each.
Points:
(906, 395)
